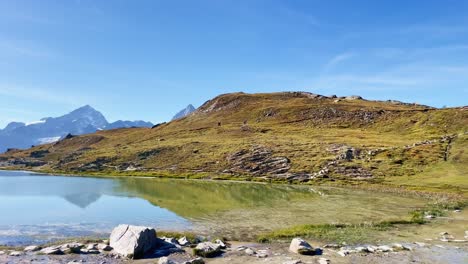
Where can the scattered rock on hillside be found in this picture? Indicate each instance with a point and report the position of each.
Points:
(258, 160)
(133, 241)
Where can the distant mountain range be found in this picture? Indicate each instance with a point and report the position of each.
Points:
(184, 112)
(83, 120)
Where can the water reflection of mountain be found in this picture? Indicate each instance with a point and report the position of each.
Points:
(191, 199)
(82, 200)
(79, 191)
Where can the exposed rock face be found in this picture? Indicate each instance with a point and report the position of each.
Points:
(258, 160)
(133, 241)
(300, 246)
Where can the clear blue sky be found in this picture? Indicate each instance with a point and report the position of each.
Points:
(148, 59)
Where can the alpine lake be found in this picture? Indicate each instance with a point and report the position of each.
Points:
(37, 208)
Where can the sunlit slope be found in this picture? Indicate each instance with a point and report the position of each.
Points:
(287, 136)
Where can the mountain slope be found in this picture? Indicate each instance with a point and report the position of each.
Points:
(292, 136)
(80, 121)
(184, 112)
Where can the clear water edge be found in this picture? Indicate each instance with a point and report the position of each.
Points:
(37, 208)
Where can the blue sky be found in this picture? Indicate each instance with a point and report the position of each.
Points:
(148, 59)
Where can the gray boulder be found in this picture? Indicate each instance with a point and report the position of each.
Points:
(71, 248)
(300, 246)
(16, 253)
(133, 241)
(51, 251)
(32, 248)
(207, 250)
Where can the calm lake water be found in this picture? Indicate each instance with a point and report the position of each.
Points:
(35, 208)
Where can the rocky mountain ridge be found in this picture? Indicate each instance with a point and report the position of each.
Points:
(83, 120)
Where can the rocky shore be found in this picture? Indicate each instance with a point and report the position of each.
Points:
(136, 244)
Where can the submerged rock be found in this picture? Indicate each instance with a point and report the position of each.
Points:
(207, 250)
(133, 241)
(300, 246)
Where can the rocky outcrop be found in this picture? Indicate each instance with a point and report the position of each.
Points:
(258, 160)
(133, 241)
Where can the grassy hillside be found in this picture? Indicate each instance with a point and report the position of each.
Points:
(289, 136)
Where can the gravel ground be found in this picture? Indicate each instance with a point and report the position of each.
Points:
(277, 254)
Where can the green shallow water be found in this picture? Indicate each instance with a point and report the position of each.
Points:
(40, 207)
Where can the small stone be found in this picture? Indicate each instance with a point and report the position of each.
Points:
(332, 246)
(241, 248)
(384, 248)
(443, 233)
(397, 246)
(296, 261)
(262, 253)
(371, 249)
(323, 261)
(105, 241)
(457, 211)
(220, 243)
(183, 241)
(51, 251)
(300, 246)
(420, 244)
(207, 250)
(408, 248)
(361, 249)
(71, 248)
(104, 247)
(2, 252)
(166, 260)
(250, 251)
(343, 252)
(32, 248)
(195, 261)
(91, 246)
(16, 253)
(429, 217)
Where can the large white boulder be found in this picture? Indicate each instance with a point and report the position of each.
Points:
(300, 246)
(133, 241)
